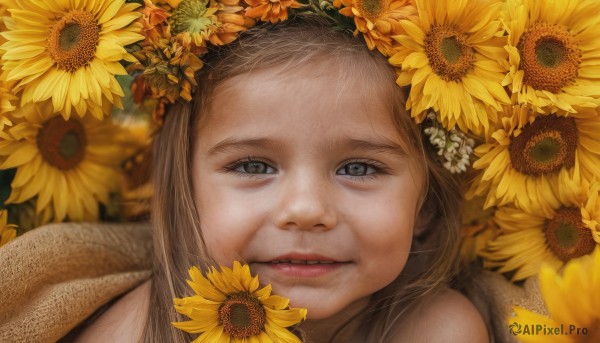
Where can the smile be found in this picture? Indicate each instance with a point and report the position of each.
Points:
(305, 269)
(303, 265)
(303, 262)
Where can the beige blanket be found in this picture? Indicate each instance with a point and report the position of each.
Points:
(54, 277)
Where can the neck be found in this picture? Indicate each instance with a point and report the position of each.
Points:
(341, 327)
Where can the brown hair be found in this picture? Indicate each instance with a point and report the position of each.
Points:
(178, 242)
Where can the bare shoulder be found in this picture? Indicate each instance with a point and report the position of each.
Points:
(123, 321)
(446, 317)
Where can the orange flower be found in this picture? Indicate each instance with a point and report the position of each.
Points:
(218, 22)
(233, 21)
(377, 20)
(270, 10)
(172, 3)
(169, 66)
(154, 15)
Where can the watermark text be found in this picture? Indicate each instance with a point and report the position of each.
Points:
(546, 330)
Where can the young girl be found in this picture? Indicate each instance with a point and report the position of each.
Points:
(297, 157)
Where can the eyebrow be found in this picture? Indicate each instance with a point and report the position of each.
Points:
(378, 146)
(236, 144)
(384, 146)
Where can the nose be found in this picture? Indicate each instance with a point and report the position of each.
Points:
(305, 203)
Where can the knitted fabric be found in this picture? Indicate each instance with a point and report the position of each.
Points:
(54, 277)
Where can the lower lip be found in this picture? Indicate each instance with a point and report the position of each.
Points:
(305, 270)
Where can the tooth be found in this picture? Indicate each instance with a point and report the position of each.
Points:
(312, 262)
(298, 261)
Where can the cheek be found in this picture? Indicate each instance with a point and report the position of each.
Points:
(227, 222)
(386, 249)
(384, 232)
(385, 220)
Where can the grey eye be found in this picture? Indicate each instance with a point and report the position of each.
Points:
(357, 169)
(254, 167)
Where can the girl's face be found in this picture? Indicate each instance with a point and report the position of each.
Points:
(291, 169)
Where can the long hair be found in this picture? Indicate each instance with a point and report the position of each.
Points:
(178, 241)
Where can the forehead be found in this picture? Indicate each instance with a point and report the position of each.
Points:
(319, 100)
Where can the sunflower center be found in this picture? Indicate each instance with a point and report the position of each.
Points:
(567, 236)
(242, 315)
(69, 146)
(370, 9)
(73, 40)
(192, 16)
(549, 57)
(451, 49)
(69, 36)
(62, 143)
(449, 52)
(544, 146)
(550, 53)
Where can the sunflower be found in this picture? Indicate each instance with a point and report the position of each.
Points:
(553, 53)
(4, 6)
(452, 56)
(229, 307)
(70, 165)
(270, 10)
(70, 52)
(6, 104)
(591, 212)
(528, 240)
(7, 231)
(531, 156)
(377, 20)
(572, 300)
(218, 22)
(136, 186)
(477, 229)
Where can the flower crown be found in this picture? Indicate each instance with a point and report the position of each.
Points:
(514, 82)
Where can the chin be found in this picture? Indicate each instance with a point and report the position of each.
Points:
(318, 307)
(318, 312)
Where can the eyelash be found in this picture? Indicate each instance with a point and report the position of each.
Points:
(231, 168)
(379, 168)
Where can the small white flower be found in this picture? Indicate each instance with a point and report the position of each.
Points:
(454, 146)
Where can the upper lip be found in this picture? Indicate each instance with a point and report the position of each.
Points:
(302, 257)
